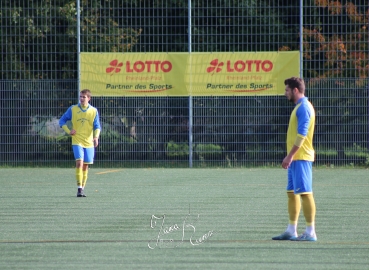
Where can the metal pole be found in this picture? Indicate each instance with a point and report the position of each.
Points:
(301, 37)
(367, 96)
(78, 48)
(367, 142)
(190, 105)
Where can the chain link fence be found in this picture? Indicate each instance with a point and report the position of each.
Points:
(40, 41)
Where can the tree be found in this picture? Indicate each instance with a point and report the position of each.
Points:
(340, 51)
(39, 38)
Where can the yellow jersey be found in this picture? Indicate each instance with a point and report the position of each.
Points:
(302, 124)
(84, 121)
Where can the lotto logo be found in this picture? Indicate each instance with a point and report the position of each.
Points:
(154, 66)
(114, 67)
(240, 66)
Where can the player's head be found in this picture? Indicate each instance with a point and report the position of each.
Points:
(295, 82)
(295, 88)
(84, 96)
(86, 92)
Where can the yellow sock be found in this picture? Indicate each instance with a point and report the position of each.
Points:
(79, 176)
(308, 206)
(84, 179)
(294, 207)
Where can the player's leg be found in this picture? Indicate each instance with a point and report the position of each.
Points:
(89, 154)
(309, 209)
(85, 175)
(304, 184)
(293, 206)
(78, 156)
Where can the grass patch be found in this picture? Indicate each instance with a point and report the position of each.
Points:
(44, 225)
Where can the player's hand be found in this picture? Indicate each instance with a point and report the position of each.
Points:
(72, 132)
(286, 162)
(96, 142)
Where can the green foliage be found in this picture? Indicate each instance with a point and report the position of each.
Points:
(203, 151)
(113, 145)
(44, 147)
(326, 153)
(38, 41)
(208, 151)
(356, 151)
(177, 150)
(341, 51)
(39, 38)
(234, 22)
(357, 154)
(45, 140)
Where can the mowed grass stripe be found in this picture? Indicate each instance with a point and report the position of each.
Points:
(43, 224)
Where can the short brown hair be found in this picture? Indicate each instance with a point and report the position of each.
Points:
(295, 82)
(86, 92)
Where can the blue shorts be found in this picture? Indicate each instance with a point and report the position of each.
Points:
(300, 178)
(84, 154)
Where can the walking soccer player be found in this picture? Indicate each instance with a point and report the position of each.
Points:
(85, 136)
(298, 162)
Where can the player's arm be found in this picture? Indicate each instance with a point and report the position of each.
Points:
(303, 119)
(97, 130)
(288, 159)
(96, 137)
(67, 116)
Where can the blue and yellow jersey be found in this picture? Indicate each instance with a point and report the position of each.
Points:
(84, 122)
(302, 123)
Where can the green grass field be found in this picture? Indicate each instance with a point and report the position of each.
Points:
(233, 213)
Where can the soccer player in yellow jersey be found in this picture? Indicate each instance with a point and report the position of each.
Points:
(85, 135)
(298, 162)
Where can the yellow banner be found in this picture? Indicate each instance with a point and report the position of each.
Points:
(184, 74)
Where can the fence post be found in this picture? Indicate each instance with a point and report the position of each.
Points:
(301, 37)
(78, 48)
(190, 105)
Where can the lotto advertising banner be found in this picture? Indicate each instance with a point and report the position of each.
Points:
(184, 74)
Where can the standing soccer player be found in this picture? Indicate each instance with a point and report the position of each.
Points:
(85, 135)
(298, 162)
